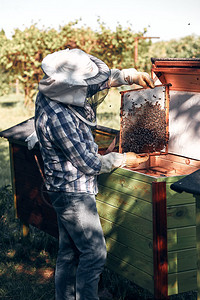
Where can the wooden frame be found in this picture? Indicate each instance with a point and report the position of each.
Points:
(160, 240)
(182, 74)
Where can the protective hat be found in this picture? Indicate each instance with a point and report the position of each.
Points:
(69, 72)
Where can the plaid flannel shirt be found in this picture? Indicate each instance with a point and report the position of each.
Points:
(67, 147)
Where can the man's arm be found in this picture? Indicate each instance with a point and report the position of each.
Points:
(128, 77)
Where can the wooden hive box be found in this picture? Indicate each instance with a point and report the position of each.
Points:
(150, 229)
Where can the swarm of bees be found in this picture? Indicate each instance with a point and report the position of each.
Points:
(144, 128)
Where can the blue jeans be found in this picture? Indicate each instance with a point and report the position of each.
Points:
(82, 248)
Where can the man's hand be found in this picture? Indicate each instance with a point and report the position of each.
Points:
(143, 79)
(140, 78)
(133, 160)
(115, 160)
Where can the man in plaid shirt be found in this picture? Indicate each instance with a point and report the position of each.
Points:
(73, 85)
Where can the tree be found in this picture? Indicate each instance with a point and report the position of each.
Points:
(186, 47)
(22, 55)
(4, 74)
(116, 48)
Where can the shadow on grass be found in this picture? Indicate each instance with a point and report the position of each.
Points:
(25, 276)
(26, 264)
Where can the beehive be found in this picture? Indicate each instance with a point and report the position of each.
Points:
(150, 229)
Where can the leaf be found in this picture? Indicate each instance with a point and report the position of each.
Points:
(9, 65)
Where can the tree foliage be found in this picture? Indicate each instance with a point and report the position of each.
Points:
(21, 56)
(186, 47)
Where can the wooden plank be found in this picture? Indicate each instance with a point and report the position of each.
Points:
(32, 202)
(40, 219)
(169, 179)
(181, 216)
(125, 219)
(197, 197)
(26, 169)
(174, 198)
(178, 71)
(12, 171)
(125, 202)
(160, 240)
(127, 237)
(124, 269)
(184, 260)
(129, 255)
(176, 63)
(182, 282)
(182, 166)
(183, 160)
(181, 238)
(127, 185)
(134, 174)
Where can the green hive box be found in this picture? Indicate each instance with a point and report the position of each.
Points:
(150, 229)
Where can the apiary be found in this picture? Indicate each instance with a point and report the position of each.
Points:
(150, 229)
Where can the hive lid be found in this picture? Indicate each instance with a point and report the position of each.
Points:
(20, 131)
(182, 73)
(188, 184)
(184, 124)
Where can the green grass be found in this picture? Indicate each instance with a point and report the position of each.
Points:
(27, 264)
(108, 112)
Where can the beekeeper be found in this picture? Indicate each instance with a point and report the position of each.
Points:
(75, 83)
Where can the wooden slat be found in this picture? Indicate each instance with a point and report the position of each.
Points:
(12, 171)
(170, 159)
(176, 63)
(184, 260)
(177, 71)
(182, 282)
(174, 198)
(26, 168)
(181, 216)
(181, 238)
(197, 197)
(137, 276)
(127, 185)
(176, 165)
(125, 219)
(127, 237)
(125, 202)
(129, 255)
(160, 240)
(134, 174)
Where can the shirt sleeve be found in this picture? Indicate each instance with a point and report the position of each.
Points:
(118, 77)
(75, 140)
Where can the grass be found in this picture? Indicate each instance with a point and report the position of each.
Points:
(27, 264)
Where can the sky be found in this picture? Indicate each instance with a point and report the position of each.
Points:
(167, 20)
